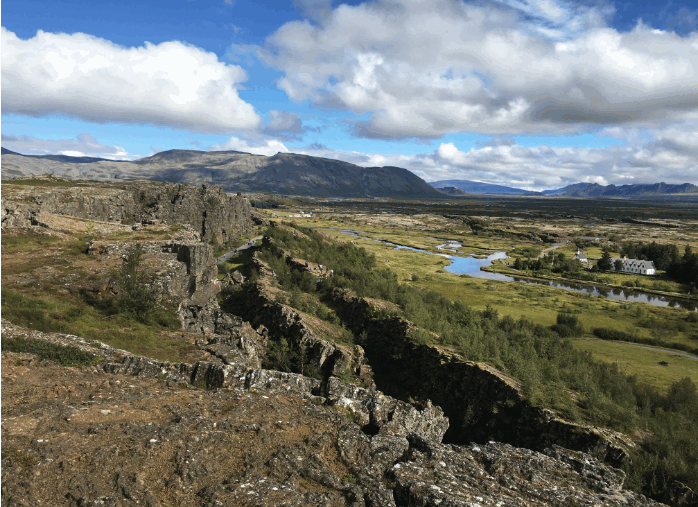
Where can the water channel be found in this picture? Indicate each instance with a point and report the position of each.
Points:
(472, 266)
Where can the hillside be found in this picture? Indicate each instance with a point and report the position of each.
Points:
(476, 187)
(648, 190)
(454, 191)
(284, 173)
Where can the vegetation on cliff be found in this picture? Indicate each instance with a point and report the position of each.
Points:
(542, 358)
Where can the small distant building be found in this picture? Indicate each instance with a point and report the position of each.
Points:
(635, 266)
(579, 256)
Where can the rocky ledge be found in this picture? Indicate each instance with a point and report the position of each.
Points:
(135, 431)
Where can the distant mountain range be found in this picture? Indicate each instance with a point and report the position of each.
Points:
(292, 174)
(475, 187)
(283, 173)
(596, 190)
(576, 190)
(454, 191)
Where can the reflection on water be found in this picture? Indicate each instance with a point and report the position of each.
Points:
(471, 266)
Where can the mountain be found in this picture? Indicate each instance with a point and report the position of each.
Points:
(475, 187)
(284, 173)
(647, 190)
(60, 158)
(454, 191)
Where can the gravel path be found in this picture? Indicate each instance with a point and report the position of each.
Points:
(228, 255)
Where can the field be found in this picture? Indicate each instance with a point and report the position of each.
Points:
(643, 362)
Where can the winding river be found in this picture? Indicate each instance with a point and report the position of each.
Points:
(472, 266)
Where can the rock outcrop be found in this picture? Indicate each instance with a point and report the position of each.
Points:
(132, 431)
(481, 402)
(216, 216)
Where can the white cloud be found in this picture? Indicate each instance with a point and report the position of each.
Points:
(424, 69)
(267, 148)
(169, 84)
(83, 146)
(503, 162)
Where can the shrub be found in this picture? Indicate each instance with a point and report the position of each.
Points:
(139, 296)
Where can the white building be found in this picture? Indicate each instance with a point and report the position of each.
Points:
(635, 266)
(579, 256)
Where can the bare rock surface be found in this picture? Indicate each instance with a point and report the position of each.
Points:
(133, 431)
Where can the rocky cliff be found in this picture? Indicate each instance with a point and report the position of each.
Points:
(482, 403)
(214, 214)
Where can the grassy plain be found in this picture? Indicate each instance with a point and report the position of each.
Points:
(643, 361)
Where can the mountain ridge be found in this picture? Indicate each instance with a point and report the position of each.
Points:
(285, 173)
(632, 190)
(573, 190)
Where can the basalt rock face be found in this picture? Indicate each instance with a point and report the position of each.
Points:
(214, 215)
(298, 328)
(283, 321)
(133, 431)
(187, 275)
(481, 402)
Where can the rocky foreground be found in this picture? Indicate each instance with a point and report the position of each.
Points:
(134, 431)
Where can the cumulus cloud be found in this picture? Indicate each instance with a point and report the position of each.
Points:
(286, 126)
(544, 167)
(84, 145)
(267, 147)
(425, 69)
(170, 84)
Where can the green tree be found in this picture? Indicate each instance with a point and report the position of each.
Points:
(618, 265)
(138, 295)
(605, 261)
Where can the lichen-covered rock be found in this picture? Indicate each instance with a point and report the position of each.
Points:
(387, 415)
(498, 474)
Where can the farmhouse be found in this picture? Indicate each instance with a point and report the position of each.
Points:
(635, 266)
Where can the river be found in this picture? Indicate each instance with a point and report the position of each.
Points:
(472, 266)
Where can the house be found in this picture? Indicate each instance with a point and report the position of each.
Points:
(635, 266)
(579, 256)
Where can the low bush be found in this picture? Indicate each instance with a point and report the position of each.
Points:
(64, 356)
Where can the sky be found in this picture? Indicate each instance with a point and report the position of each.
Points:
(534, 94)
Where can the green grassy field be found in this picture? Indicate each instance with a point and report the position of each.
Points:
(642, 362)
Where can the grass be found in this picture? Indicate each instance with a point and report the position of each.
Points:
(537, 303)
(642, 362)
(97, 321)
(63, 356)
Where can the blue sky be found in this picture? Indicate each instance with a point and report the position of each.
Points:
(535, 94)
